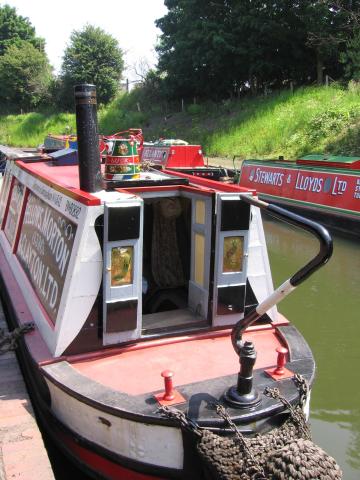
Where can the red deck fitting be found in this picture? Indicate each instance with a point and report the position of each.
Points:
(280, 372)
(170, 396)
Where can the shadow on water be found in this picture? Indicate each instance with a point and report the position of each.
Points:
(326, 309)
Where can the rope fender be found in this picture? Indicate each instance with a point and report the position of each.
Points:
(285, 453)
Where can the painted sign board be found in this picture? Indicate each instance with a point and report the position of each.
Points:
(44, 250)
(174, 155)
(321, 187)
(14, 209)
(155, 155)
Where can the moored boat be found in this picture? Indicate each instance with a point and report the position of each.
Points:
(179, 155)
(146, 293)
(326, 188)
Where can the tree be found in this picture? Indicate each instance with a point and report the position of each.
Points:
(25, 75)
(351, 57)
(210, 48)
(14, 29)
(93, 56)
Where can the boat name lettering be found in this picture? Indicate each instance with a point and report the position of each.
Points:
(308, 183)
(51, 197)
(73, 209)
(269, 178)
(339, 186)
(41, 276)
(41, 218)
(45, 245)
(357, 189)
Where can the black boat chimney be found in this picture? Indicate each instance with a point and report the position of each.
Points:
(88, 138)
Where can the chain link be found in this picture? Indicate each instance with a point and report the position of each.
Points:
(258, 471)
(185, 422)
(296, 414)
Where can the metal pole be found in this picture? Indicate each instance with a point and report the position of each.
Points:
(88, 138)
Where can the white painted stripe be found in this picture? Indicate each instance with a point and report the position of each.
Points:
(152, 444)
(276, 297)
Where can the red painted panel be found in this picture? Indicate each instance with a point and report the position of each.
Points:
(64, 179)
(213, 184)
(325, 188)
(185, 156)
(192, 361)
(105, 468)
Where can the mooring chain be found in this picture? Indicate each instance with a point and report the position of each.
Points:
(258, 471)
(185, 422)
(302, 387)
(296, 414)
(9, 340)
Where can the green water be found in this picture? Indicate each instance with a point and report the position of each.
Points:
(326, 309)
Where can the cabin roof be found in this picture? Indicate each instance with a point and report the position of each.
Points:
(337, 161)
(65, 179)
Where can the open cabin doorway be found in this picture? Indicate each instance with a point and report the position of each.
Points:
(169, 259)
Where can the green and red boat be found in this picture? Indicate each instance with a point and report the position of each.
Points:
(326, 188)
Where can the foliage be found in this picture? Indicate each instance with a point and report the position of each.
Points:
(312, 120)
(25, 75)
(14, 29)
(93, 56)
(219, 49)
(30, 129)
(351, 57)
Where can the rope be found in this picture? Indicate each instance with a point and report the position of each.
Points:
(285, 453)
(9, 340)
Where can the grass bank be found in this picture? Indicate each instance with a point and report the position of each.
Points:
(312, 120)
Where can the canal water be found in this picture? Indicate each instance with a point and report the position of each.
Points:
(326, 309)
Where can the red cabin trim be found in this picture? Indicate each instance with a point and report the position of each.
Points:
(21, 218)
(213, 184)
(72, 192)
(168, 188)
(8, 202)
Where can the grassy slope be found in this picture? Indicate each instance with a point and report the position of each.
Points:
(309, 121)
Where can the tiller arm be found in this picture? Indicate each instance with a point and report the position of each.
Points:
(322, 257)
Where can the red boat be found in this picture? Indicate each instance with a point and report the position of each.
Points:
(326, 188)
(179, 156)
(145, 293)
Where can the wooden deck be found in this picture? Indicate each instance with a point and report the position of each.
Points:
(22, 452)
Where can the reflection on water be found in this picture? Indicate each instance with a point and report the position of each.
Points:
(326, 309)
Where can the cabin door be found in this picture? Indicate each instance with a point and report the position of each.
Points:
(231, 258)
(201, 228)
(122, 274)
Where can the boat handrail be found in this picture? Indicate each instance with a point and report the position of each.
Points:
(320, 259)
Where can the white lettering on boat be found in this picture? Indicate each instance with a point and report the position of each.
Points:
(268, 177)
(44, 250)
(339, 186)
(357, 189)
(309, 183)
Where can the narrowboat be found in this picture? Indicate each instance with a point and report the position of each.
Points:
(138, 290)
(323, 187)
(179, 155)
(53, 142)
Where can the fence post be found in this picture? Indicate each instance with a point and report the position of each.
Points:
(326, 80)
(182, 105)
(291, 87)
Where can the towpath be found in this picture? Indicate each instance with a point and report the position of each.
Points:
(22, 452)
